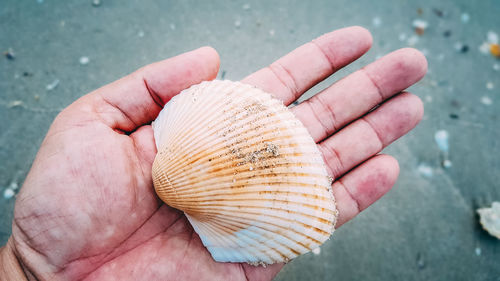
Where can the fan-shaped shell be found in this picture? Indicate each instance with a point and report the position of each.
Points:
(245, 171)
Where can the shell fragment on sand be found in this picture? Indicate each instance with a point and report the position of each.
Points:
(490, 219)
(245, 171)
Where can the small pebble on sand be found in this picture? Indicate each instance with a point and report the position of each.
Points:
(441, 137)
(464, 18)
(15, 103)
(486, 100)
(492, 37)
(52, 85)
(477, 251)
(84, 60)
(8, 193)
(461, 47)
(14, 186)
(425, 170)
(9, 54)
(420, 26)
(484, 48)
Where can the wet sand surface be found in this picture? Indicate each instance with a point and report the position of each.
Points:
(426, 228)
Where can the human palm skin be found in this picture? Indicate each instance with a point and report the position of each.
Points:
(88, 210)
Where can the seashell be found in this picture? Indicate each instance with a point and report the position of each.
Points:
(246, 173)
(490, 219)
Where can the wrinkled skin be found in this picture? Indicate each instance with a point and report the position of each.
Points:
(88, 210)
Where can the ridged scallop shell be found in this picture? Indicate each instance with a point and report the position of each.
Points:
(245, 171)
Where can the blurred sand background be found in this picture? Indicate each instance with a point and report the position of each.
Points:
(426, 228)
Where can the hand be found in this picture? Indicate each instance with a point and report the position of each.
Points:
(88, 209)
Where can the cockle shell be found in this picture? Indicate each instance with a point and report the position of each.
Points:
(246, 173)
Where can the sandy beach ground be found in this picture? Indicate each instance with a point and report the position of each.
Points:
(426, 228)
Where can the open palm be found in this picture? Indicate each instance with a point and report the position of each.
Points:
(88, 209)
